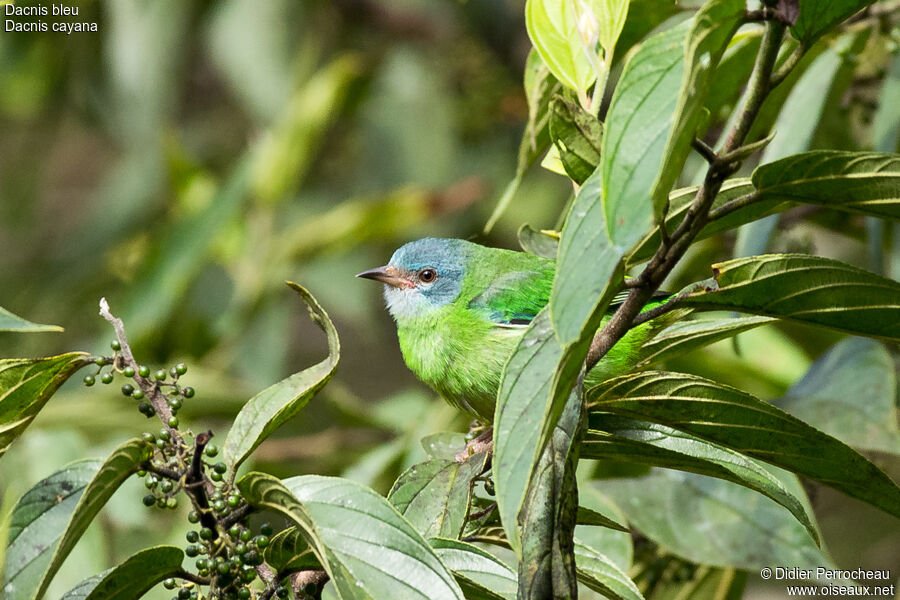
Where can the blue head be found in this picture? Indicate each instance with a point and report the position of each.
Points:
(422, 276)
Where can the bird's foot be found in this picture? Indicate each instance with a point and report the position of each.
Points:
(483, 443)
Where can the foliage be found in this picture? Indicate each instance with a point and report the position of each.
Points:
(681, 137)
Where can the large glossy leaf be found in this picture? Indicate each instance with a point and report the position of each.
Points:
(119, 466)
(553, 26)
(11, 322)
(132, 578)
(272, 407)
(578, 136)
(288, 550)
(736, 420)
(712, 28)
(850, 392)
(621, 438)
(434, 495)
(580, 296)
(480, 575)
(715, 522)
(816, 18)
(686, 336)
(637, 128)
(807, 289)
(540, 87)
(862, 182)
(368, 549)
(38, 522)
(25, 386)
(603, 575)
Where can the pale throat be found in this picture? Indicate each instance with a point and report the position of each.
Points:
(407, 303)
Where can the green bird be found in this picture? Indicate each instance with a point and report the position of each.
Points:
(462, 308)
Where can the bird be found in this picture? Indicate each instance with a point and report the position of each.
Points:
(461, 309)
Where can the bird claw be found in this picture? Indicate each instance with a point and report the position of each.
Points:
(482, 443)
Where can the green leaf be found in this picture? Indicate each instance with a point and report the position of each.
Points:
(886, 122)
(480, 575)
(715, 522)
(579, 296)
(38, 522)
(860, 182)
(736, 420)
(119, 466)
(133, 578)
(613, 539)
(712, 29)
(611, 17)
(368, 549)
(686, 336)
(444, 444)
(850, 392)
(638, 123)
(578, 136)
(26, 385)
(434, 496)
(11, 322)
(288, 550)
(275, 405)
(619, 438)
(816, 18)
(537, 242)
(807, 289)
(603, 575)
(553, 28)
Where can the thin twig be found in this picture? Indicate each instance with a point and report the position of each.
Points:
(733, 205)
(702, 148)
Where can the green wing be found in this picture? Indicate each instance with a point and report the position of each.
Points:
(514, 299)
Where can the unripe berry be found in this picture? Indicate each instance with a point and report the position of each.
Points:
(193, 517)
(188, 392)
(172, 503)
(127, 389)
(88, 380)
(106, 378)
(192, 551)
(169, 584)
(144, 371)
(206, 533)
(211, 450)
(173, 422)
(115, 345)
(215, 476)
(261, 541)
(181, 368)
(149, 500)
(266, 529)
(160, 375)
(220, 467)
(128, 371)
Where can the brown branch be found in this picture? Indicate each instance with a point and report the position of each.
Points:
(301, 579)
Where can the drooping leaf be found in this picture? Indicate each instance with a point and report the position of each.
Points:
(25, 387)
(553, 26)
(272, 407)
(736, 420)
(480, 575)
(817, 18)
(38, 522)
(288, 550)
(851, 393)
(119, 466)
(807, 289)
(435, 495)
(540, 87)
(368, 549)
(712, 28)
(578, 136)
(132, 578)
(620, 438)
(603, 575)
(685, 336)
(612, 539)
(715, 522)
(861, 182)
(11, 322)
(637, 127)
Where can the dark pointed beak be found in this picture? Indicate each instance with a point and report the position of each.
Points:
(387, 274)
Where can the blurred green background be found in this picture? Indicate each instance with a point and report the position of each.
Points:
(191, 156)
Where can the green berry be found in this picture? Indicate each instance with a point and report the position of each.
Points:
(181, 368)
(266, 529)
(234, 531)
(248, 574)
(206, 533)
(164, 434)
(223, 568)
(160, 443)
(144, 371)
(115, 345)
(169, 584)
(173, 373)
(211, 450)
(106, 378)
(166, 486)
(282, 592)
(99, 361)
(234, 501)
(261, 541)
(218, 505)
(141, 473)
(127, 389)
(173, 422)
(174, 403)
(88, 380)
(184, 594)
(192, 551)
(128, 371)
(193, 517)
(252, 558)
(148, 437)
(240, 548)
(188, 392)
(137, 394)
(246, 535)
(149, 500)
(215, 476)
(172, 502)
(145, 408)
(160, 375)
(192, 536)
(220, 467)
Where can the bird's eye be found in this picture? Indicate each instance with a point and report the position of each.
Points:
(427, 275)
